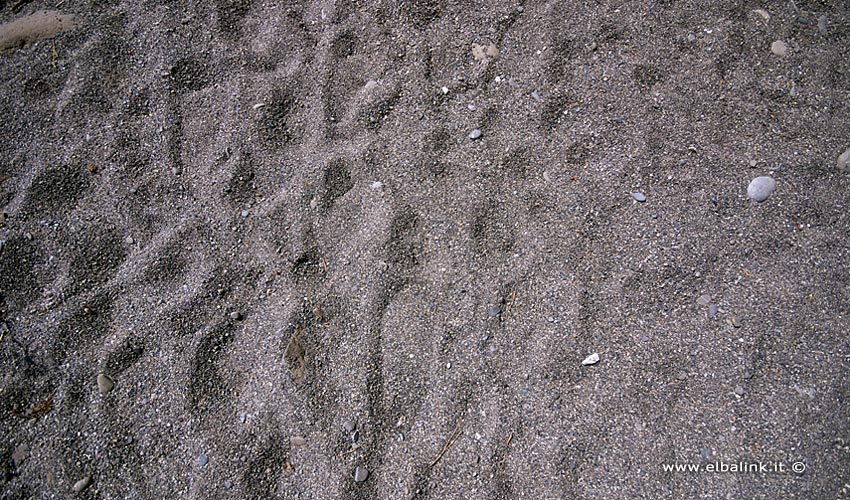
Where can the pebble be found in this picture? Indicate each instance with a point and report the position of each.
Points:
(639, 196)
(704, 300)
(712, 311)
(297, 441)
(228, 484)
(779, 48)
(349, 426)
(644, 338)
(520, 9)
(822, 24)
(22, 451)
(591, 360)
(203, 460)
(245, 213)
(739, 390)
(104, 383)
(843, 162)
(682, 376)
(176, 170)
(734, 322)
(236, 315)
(82, 484)
(475, 134)
(761, 188)
(494, 311)
(129, 240)
(763, 13)
(376, 185)
(705, 452)
(360, 474)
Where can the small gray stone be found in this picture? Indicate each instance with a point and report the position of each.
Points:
(704, 300)
(734, 322)
(494, 311)
(82, 484)
(705, 452)
(644, 338)
(22, 451)
(712, 311)
(761, 188)
(236, 315)
(637, 195)
(349, 426)
(739, 390)
(475, 134)
(203, 460)
(682, 376)
(763, 13)
(104, 383)
(843, 162)
(176, 170)
(779, 48)
(822, 20)
(245, 213)
(520, 9)
(360, 474)
(129, 240)
(297, 441)
(228, 484)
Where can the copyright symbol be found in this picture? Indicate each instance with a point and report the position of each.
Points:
(798, 467)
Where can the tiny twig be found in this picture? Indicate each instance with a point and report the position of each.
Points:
(449, 442)
(352, 450)
(507, 444)
(16, 7)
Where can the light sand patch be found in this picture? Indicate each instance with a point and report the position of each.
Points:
(37, 26)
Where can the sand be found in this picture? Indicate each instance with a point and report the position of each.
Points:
(267, 228)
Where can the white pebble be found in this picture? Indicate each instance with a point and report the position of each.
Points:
(82, 484)
(591, 360)
(761, 188)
